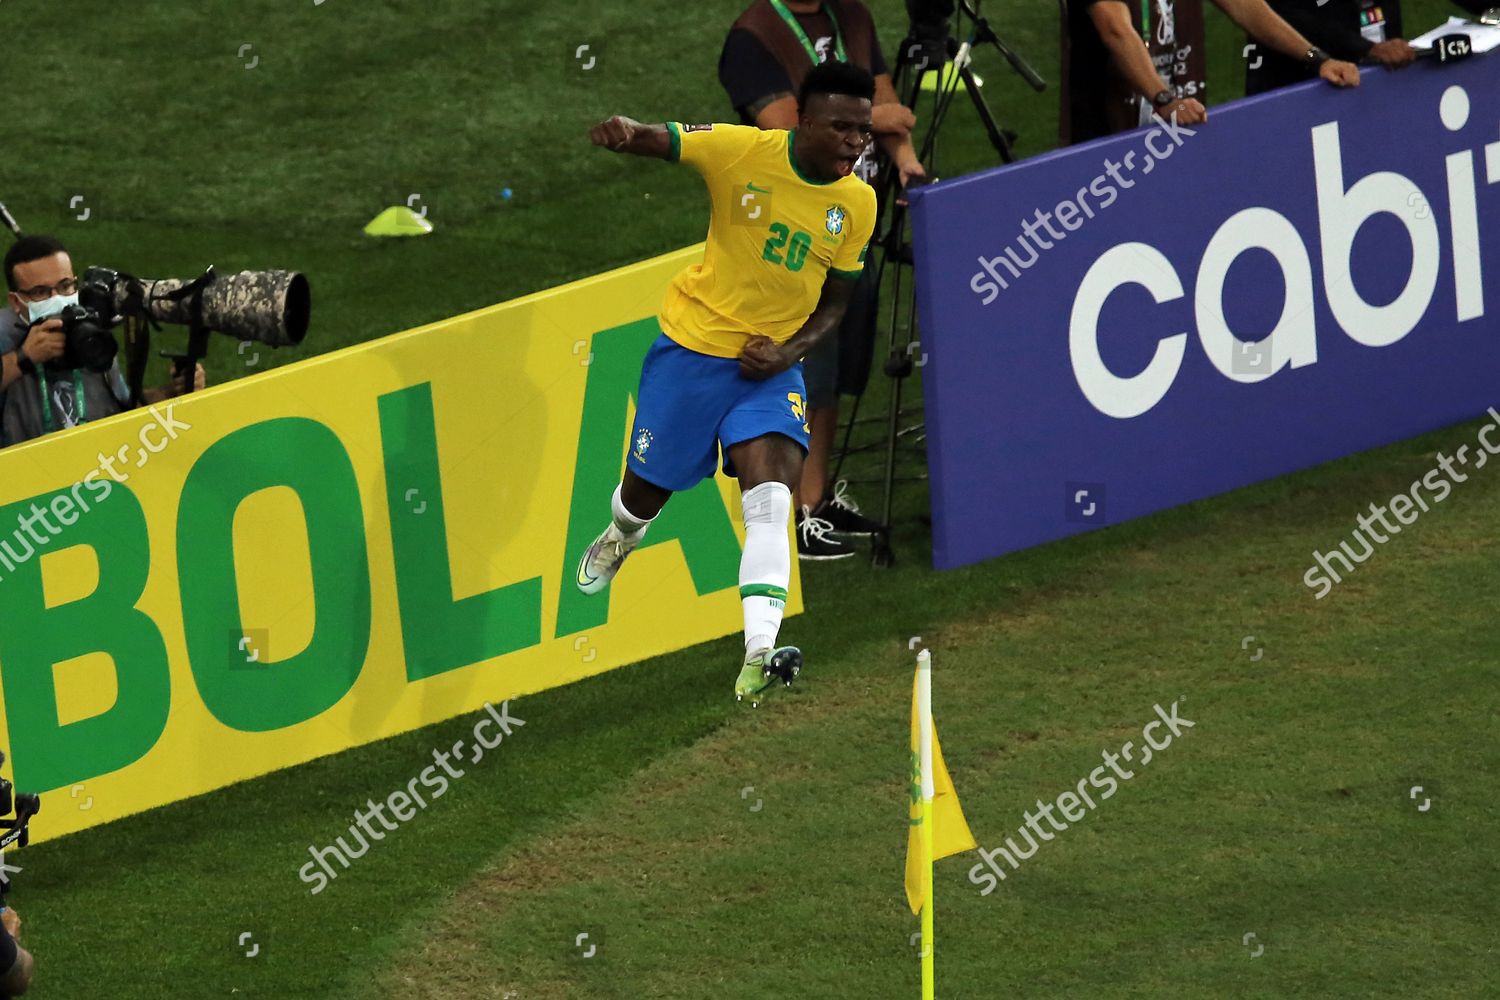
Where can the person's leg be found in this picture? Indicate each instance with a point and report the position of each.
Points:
(637, 502)
(820, 375)
(856, 337)
(767, 467)
(813, 483)
(673, 442)
(633, 506)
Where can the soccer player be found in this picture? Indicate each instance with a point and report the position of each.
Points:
(787, 235)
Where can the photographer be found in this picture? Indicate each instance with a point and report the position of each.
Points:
(16, 961)
(40, 391)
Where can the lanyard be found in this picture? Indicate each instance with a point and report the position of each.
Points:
(1146, 22)
(41, 376)
(812, 53)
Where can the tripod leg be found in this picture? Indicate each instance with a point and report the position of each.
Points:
(1001, 139)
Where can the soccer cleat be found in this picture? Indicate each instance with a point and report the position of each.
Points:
(763, 668)
(843, 515)
(603, 559)
(815, 540)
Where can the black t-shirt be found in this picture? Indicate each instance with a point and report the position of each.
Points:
(1089, 61)
(1099, 99)
(1345, 29)
(750, 73)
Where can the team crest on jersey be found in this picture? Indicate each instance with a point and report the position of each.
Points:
(697, 128)
(835, 221)
(642, 442)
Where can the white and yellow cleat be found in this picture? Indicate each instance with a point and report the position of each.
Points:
(603, 559)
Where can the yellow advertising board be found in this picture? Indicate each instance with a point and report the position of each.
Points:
(336, 551)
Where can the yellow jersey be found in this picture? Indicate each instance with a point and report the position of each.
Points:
(774, 235)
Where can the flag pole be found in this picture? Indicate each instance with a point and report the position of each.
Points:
(924, 715)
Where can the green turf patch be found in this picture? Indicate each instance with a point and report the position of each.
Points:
(621, 809)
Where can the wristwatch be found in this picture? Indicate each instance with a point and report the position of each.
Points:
(1163, 97)
(25, 364)
(1316, 56)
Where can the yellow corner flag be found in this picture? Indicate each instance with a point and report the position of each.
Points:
(937, 827)
(950, 831)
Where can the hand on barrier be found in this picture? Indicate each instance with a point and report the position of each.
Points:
(1340, 73)
(1393, 53)
(1185, 111)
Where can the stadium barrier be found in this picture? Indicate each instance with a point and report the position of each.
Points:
(340, 550)
(1200, 309)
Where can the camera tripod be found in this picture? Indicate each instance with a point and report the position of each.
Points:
(928, 47)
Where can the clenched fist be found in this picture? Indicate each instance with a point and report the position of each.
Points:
(762, 357)
(615, 133)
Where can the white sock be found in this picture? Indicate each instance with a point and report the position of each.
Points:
(626, 523)
(766, 566)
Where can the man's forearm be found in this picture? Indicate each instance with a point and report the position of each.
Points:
(1134, 61)
(1342, 41)
(1266, 26)
(822, 322)
(898, 148)
(651, 140)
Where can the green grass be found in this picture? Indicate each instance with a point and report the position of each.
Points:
(618, 809)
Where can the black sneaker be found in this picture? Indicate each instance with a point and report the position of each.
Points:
(843, 516)
(814, 540)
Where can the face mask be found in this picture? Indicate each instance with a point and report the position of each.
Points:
(47, 308)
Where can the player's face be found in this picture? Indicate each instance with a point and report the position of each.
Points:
(832, 133)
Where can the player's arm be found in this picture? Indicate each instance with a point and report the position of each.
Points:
(626, 135)
(762, 357)
(1270, 29)
(892, 123)
(1112, 20)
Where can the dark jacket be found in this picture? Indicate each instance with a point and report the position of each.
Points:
(1333, 27)
(23, 415)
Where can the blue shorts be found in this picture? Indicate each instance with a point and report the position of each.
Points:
(690, 405)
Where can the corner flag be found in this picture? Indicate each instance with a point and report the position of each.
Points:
(931, 788)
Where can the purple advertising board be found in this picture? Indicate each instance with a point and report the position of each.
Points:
(1167, 314)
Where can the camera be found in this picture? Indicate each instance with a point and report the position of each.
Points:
(88, 341)
(25, 804)
(269, 307)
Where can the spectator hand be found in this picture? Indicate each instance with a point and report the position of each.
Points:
(12, 922)
(1187, 110)
(1340, 73)
(1393, 53)
(761, 358)
(913, 175)
(45, 342)
(177, 386)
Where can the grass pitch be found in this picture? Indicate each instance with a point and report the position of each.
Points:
(706, 850)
